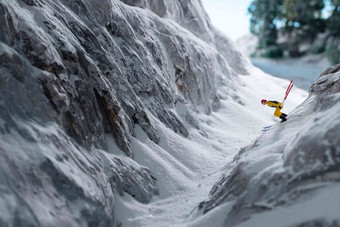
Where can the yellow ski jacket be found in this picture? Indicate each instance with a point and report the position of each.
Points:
(276, 105)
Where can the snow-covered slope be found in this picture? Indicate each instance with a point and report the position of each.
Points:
(289, 176)
(110, 114)
(186, 168)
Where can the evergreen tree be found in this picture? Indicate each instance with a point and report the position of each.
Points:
(264, 14)
(334, 20)
(304, 18)
(301, 19)
(333, 43)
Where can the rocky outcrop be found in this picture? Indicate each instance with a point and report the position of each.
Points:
(72, 74)
(290, 164)
(191, 15)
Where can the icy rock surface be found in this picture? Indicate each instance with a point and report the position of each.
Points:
(72, 74)
(293, 163)
(191, 15)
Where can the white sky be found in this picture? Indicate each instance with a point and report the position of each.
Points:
(229, 16)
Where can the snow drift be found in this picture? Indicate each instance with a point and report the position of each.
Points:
(289, 176)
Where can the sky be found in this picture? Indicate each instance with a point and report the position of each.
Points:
(229, 16)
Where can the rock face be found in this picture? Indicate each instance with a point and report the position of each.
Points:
(191, 15)
(293, 163)
(72, 74)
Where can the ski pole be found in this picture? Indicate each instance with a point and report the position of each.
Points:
(288, 90)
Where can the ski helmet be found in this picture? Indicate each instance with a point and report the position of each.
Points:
(263, 101)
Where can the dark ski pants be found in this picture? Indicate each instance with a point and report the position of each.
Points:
(283, 117)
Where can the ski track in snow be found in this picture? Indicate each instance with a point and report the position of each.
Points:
(186, 169)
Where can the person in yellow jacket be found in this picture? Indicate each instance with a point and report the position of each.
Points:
(278, 107)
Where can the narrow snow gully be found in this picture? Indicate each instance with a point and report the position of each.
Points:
(187, 168)
(290, 170)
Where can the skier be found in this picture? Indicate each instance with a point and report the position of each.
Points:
(278, 107)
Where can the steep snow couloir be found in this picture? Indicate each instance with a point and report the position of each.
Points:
(118, 115)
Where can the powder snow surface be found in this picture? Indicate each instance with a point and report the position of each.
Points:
(186, 169)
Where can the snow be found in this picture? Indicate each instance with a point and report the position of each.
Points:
(319, 206)
(216, 218)
(291, 166)
(186, 168)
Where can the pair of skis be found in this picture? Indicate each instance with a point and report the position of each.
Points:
(266, 128)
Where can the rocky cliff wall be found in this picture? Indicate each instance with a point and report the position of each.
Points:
(191, 15)
(75, 73)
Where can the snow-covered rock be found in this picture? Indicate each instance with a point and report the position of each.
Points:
(289, 176)
(76, 75)
(103, 114)
(191, 15)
